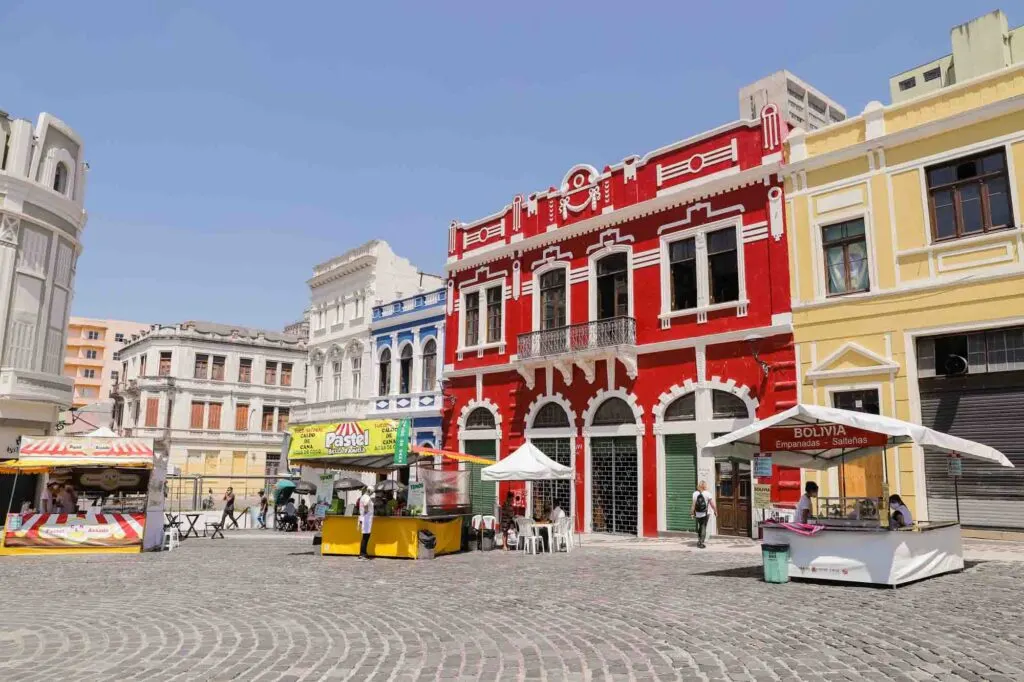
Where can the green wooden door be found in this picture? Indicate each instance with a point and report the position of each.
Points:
(482, 494)
(680, 480)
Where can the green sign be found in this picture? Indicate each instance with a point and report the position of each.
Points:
(402, 442)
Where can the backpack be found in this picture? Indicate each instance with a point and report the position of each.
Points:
(700, 505)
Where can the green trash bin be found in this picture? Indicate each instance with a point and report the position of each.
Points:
(776, 563)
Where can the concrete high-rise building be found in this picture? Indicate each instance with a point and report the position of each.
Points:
(980, 46)
(42, 187)
(801, 104)
(91, 355)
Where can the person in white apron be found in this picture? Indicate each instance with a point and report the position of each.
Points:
(365, 521)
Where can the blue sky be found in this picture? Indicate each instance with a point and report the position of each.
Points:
(233, 145)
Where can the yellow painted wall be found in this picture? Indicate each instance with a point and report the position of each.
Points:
(917, 287)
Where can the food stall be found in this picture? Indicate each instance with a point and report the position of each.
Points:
(436, 499)
(115, 485)
(849, 539)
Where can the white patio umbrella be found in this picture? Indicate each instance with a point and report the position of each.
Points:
(815, 437)
(527, 463)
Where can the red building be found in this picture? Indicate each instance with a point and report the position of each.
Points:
(623, 319)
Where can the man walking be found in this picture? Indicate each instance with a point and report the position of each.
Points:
(365, 522)
(261, 518)
(229, 507)
(702, 503)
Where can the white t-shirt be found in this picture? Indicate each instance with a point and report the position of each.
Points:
(908, 520)
(365, 513)
(707, 500)
(46, 502)
(804, 503)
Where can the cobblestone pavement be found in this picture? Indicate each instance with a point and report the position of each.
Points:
(265, 607)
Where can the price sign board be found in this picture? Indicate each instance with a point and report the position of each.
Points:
(763, 466)
(762, 495)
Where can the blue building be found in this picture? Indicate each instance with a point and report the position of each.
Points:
(408, 355)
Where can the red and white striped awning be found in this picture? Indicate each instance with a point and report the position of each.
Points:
(86, 451)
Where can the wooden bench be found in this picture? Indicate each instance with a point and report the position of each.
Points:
(218, 530)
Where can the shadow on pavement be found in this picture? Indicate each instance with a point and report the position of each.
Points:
(755, 572)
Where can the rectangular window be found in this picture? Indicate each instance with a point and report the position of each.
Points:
(241, 417)
(268, 419)
(552, 299)
(282, 419)
(142, 366)
(682, 257)
(857, 401)
(213, 416)
(90, 354)
(932, 74)
(119, 337)
(997, 350)
(907, 84)
(245, 371)
(114, 376)
(494, 314)
(152, 410)
(92, 335)
(165, 363)
(969, 196)
(357, 371)
(846, 257)
(89, 373)
(612, 286)
(723, 266)
(270, 375)
(196, 421)
(202, 367)
(217, 373)
(318, 384)
(337, 380)
(472, 315)
(286, 374)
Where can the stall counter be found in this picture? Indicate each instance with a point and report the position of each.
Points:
(875, 556)
(392, 536)
(81, 533)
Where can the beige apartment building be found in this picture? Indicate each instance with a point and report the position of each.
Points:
(91, 357)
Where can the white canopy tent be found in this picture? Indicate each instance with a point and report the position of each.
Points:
(527, 463)
(832, 425)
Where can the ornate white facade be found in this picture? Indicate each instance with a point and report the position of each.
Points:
(42, 186)
(219, 397)
(344, 291)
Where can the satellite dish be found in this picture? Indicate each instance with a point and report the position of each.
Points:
(956, 365)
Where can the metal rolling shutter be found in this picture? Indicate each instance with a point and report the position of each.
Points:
(988, 408)
(483, 494)
(680, 481)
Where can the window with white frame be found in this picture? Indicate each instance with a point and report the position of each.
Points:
(613, 286)
(553, 297)
(702, 269)
(318, 383)
(429, 365)
(483, 315)
(405, 369)
(357, 375)
(384, 372)
(846, 257)
(337, 380)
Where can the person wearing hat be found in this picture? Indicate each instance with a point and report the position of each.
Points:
(365, 507)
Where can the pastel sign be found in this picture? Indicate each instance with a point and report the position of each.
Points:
(816, 437)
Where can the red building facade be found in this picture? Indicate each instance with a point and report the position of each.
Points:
(623, 319)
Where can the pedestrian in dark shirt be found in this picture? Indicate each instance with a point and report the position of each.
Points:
(229, 507)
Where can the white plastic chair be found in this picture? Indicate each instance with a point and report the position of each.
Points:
(527, 536)
(562, 535)
(475, 522)
(171, 538)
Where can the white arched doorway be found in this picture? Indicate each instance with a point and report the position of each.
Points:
(479, 434)
(685, 419)
(551, 427)
(614, 453)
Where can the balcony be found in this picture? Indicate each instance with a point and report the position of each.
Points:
(580, 345)
(209, 436)
(406, 403)
(330, 410)
(23, 384)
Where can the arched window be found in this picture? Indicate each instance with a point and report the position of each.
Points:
(430, 366)
(480, 418)
(551, 416)
(405, 370)
(612, 412)
(384, 372)
(682, 409)
(728, 406)
(60, 178)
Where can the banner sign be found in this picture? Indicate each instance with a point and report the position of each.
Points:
(325, 489)
(364, 438)
(74, 530)
(762, 495)
(955, 467)
(402, 442)
(819, 437)
(417, 497)
(763, 466)
(71, 448)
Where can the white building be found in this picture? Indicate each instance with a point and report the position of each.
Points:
(218, 397)
(343, 292)
(42, 185)
(802, 105)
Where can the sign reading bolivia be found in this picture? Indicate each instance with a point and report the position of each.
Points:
(366, 438)
(818, 437)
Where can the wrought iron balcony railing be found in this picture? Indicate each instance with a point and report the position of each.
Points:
(614, 331)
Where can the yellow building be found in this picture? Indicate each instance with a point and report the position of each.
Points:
(907, 256)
